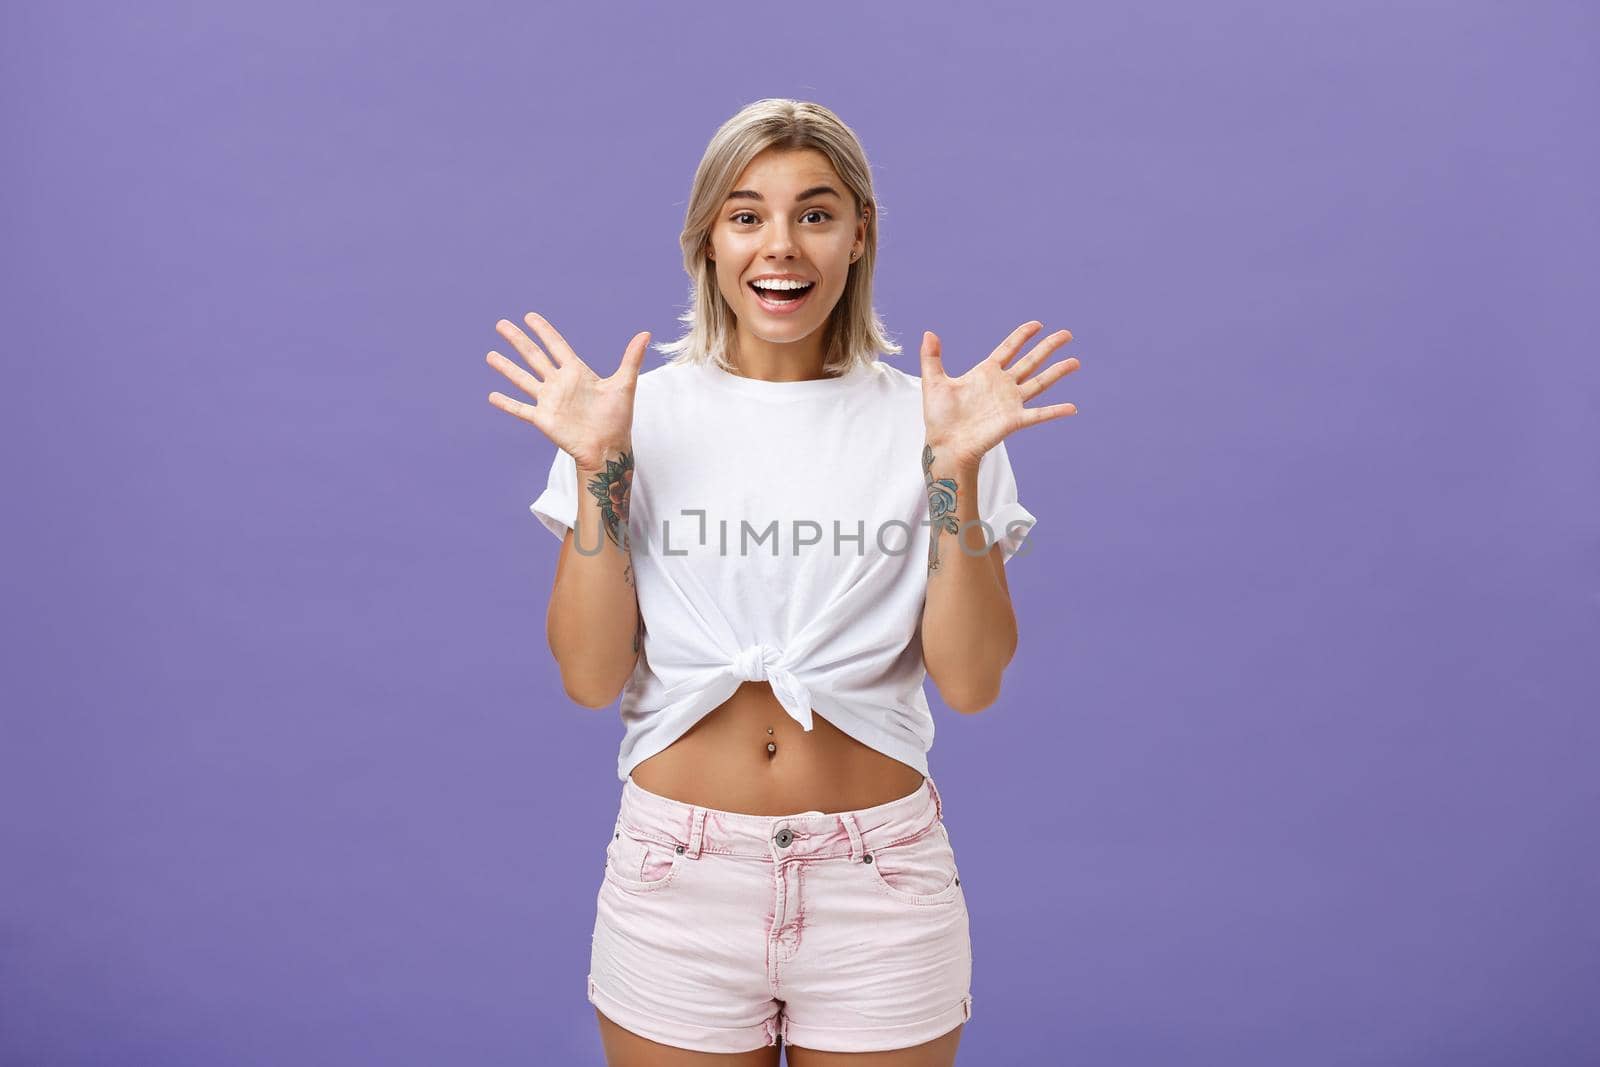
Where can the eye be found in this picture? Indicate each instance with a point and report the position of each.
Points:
(751, 215)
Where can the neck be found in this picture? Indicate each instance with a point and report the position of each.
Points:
(779, 361)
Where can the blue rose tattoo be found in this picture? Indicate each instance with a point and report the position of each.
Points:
(941, 507)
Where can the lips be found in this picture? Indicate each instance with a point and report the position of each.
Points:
(782, 307)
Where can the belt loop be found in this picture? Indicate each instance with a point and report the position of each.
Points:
(850, 827)
(697, 823)
(938, 804)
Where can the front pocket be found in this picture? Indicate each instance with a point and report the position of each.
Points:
(639, 864)
(920, 871)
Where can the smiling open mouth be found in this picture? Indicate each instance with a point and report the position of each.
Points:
(782, 300)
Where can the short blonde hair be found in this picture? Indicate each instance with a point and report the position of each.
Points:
(857, 336)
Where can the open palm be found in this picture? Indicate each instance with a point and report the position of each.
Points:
(967, 416)
(586, 415)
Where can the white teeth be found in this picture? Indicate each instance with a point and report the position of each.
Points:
(775, 283)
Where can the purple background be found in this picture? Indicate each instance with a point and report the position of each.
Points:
(1296, 763)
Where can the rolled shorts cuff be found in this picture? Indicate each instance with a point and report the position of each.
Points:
(877, 1038)
(680, 1033)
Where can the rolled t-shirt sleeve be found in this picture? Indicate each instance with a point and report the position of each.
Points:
(1009, 522)
(557, 506)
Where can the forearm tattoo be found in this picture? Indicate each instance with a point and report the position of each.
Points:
(613, 488)
(941, 507)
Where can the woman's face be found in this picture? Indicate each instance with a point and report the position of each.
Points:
(788, 214)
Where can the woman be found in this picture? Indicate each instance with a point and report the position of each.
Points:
(779, 871)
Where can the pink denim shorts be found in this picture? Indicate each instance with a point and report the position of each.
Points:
(718, 931)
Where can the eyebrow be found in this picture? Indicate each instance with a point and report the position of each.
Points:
(814, 191)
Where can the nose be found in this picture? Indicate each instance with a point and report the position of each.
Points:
(780, 239)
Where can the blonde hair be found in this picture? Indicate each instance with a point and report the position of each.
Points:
(856, 335)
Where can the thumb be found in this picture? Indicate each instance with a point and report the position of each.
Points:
(932, 361)
(633, 357)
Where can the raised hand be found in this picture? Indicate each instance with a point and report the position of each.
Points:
(585, 415)
(967, 416)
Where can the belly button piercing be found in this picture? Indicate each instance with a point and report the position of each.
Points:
(771, 747)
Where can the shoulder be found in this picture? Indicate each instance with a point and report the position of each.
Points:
(663, 376)
(661, 386)
(897, 379)
(894, 388)
(665, 397)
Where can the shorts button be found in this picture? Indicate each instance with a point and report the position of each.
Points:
(867, 858)
(680, 850)
(783, 837)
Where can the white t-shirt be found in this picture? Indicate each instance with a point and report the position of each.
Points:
(809, 565)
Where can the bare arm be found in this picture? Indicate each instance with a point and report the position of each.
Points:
(593, 623)
(969, 631)
(593, 620)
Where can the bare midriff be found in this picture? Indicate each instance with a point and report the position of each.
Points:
(749, 756)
